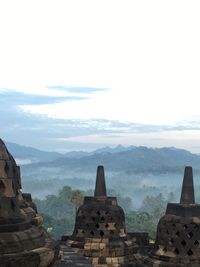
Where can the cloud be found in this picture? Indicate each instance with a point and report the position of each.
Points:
(68, 134)
(154, 77)
(18, 98)
(36, 130)
(82, 90)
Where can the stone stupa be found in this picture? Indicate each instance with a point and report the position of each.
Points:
(23, 241)
(178, 232)
(100, 232)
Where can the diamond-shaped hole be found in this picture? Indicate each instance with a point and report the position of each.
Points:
(92, 233)
(101, 233)
(177, 233)
(190, 253)
(190, 235)
(183, 243)
(185, 226)
(176, 251)
(196, 243)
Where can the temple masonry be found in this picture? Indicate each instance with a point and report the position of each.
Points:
(99, 238)
(178, 233)
(23, 240)
(100, 232)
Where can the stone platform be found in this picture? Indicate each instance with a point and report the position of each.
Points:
(69, 258)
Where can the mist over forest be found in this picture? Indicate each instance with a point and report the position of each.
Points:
(135, 172)
(143, 179)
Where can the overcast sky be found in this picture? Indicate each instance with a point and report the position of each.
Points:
(127, 62)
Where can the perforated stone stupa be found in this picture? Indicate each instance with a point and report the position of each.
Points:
(178, 233)
(23, 241)
(99, 231)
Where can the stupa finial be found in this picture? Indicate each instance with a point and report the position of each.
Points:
(187, 195)
(100, 188)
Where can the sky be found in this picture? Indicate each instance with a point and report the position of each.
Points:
(79, 75)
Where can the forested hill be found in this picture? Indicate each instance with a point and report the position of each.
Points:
(134, 160)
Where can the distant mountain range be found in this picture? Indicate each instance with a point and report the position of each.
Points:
(27, 155)
(139, 159)
(119, 159)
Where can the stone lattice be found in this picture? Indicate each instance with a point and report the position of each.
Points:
(100, 232)
(178, 233)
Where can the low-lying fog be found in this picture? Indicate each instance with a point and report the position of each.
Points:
(135, 186)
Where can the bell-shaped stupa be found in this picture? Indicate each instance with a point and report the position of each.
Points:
(178, 232)
(23, 242)
(99, 231)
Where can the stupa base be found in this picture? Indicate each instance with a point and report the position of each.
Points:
(40, 257)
